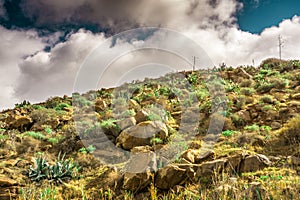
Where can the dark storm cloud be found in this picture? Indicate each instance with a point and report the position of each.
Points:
(113, 16)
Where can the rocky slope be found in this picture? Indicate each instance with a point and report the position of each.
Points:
(222, 133)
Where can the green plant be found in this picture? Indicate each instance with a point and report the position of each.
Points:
(48, 130)
(192, 78)
(53, 140)
(247, 91)
(253, 127)
(36, 107)
(230, 86)
(156, 140)
(61, 106)
(36, 135)
(128, 113)
(89, 149)
(264, 86)
(228, 133)
(266, 99)
(23, 104)
(62, 169)
(267, 108)
(109, 123)
(3, 137)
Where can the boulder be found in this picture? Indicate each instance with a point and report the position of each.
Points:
(141, 162)
(169, 176)
(126, 123)
(209, 168)
(140, 169)
(254, 163)
(137, 181)
(141, 134)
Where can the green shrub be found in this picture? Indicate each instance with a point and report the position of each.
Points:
(228, 133)
(61, 106)
(128, 113)
(266, 99)
(3, 137)
(264, 87)
(267, 108)
(253, 127)
(36, 135)
(291, 130)
(89, 149)
(109, 123)
(48, 130)
(53, 140)
(246, 83)
(247, 91)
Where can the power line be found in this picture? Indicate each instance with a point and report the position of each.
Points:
(194, 62)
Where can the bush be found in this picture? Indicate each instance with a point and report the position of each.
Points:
(253, 128)
(291, 130)
(36, 135)
(266, 99)
(228, 133)
(264, 87)
(61, 106)
(247, 91)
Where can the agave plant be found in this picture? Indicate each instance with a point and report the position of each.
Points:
(62, 169)
(41, 169)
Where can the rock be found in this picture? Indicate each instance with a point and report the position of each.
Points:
(108, 179)
(234, 163)
(275, 125)
(132, 104)
(244, 115)
(296, 96)
(20, 122)
(141, 162)
(137, 181)
(203, 155)
(189, 155)
(169, 176)
(7, 182)
(294, 160)
(141, 134)
(141, 116)
(207, 169)
(100, 105)
(254, 163)
(126, 123)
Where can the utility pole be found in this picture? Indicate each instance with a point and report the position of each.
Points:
(194, 63)
(280, 45)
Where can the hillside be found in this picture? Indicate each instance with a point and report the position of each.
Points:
(225, 133)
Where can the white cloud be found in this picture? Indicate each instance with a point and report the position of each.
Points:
(237, 47)
(53, 73)
(14, 46)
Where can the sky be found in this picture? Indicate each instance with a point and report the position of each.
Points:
(45, 45)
